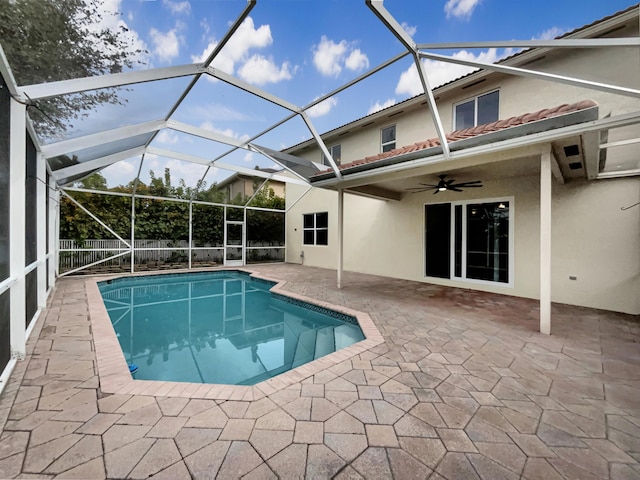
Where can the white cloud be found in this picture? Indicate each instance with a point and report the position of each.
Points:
(376, 107)
(177, 7)
(549, 34)
(204, 24)
(190, 172)
(328, 56)
(460, 8)
(357, 60)
(260, 70)
(122, 172)
(248, 157)
(167, 137)
(205, 111)
(236, 55)
(237, 49)
(322, 108)
(166, 45)
(410, 29)
(439, 73)
(227, 132)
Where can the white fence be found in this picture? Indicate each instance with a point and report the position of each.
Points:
(74, 255)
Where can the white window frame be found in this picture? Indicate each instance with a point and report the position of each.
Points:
(475, 107)
(452, 269)
(325, 161)
(315, 229)
(395, 137)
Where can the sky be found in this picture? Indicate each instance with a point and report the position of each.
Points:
(300, 50)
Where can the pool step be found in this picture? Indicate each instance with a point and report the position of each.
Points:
(305, 348)
(313, 344)
(325, 342)
(346, 335)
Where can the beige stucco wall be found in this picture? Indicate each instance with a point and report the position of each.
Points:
(245, 187)
(592, 238)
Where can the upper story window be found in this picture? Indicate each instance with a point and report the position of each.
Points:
(477, 111)
(315, 228)
(335, 152)
(388, 138)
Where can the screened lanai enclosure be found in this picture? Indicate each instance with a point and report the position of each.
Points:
(150, 178)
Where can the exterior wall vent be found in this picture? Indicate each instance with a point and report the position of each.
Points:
(571, 150)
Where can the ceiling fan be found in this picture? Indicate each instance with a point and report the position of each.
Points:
(444, 185)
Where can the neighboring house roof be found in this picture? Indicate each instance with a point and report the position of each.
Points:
(232, 178)
(467, 133)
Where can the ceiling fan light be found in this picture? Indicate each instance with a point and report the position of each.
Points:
(442, 189)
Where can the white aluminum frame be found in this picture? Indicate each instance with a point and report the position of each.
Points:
(475, 107)
(241, 262)
(395, 137)
(23, 95)
(463, 278)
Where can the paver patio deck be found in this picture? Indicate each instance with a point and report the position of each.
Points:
(463, 387)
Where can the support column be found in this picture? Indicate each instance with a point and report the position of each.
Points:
(17, 187)
(545, 242)
(53, 222)
(133, 231)
(340, 234)
(190, 239)
(56, 230)
(41, 232)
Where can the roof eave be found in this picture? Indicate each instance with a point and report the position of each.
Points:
(540, 131)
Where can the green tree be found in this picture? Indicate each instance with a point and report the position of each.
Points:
(50, 40)
(167, 219)
(112, 210)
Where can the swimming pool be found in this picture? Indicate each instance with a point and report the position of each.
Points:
(218, 327)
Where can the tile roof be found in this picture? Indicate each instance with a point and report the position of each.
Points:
(475, 131)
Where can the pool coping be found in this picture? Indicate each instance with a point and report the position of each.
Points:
(113, 370)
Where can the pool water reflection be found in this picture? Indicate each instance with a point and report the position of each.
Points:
(217, 327)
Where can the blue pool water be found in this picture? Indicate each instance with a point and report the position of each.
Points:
(218, 327)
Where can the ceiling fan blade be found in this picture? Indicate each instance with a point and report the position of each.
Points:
(454, 189)
(467, 184)
(462, 185)
(429, 185)
(449, 182)
(418, 189)
(437, 190)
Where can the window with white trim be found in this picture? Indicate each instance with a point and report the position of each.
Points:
(335, 152)
(477, 111)
(470, 240)
(388, 138)
(315, 228)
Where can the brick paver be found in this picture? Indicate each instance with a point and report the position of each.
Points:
(462, 387)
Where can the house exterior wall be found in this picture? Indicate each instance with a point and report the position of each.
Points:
(245, 187)
(592, 239)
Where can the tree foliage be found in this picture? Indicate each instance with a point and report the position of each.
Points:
(168, 219)
(51, 40)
